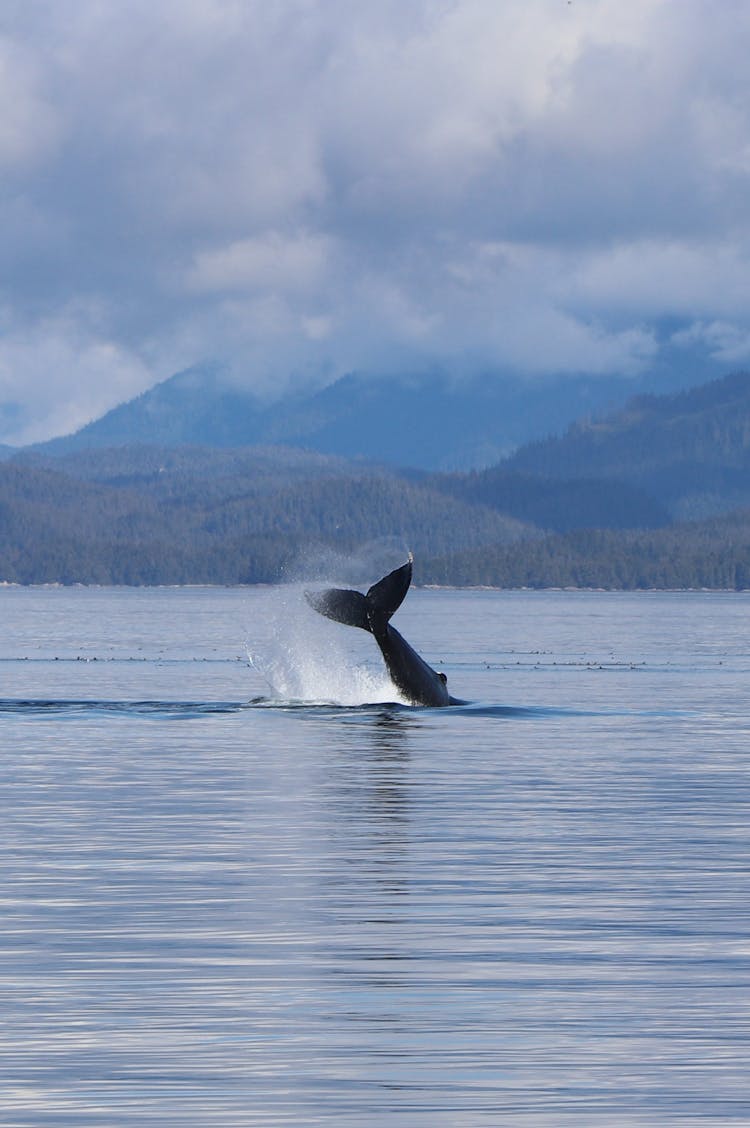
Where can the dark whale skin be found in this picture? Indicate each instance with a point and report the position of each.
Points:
(412, 676)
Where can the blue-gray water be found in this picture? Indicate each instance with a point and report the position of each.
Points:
(224, 906)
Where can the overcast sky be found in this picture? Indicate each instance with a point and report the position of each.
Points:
(301, 188)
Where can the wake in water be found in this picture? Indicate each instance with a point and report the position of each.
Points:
(304, 658)
(356, 712)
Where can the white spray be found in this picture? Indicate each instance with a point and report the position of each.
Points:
(305, 657)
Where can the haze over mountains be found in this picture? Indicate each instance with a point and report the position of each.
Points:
(429, 420)
(680, 455)
(604, 504)
(688, 451)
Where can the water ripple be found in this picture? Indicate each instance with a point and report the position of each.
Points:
(295, 912)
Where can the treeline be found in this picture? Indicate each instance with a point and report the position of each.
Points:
(152, 521)
(712, 554)
(690, 451)
(195, 515)
(554, 504)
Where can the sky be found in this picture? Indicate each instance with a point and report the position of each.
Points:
(298, 189)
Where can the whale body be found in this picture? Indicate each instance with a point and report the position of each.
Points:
(372, 611)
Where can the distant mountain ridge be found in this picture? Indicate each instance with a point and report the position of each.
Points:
(602, 505)
(680, 455)
(555, 503)
(192, 407)
(690, 450)
(154, 515)
(145, 515)
(427, 421)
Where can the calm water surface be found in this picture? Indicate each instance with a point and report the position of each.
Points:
(264, 894)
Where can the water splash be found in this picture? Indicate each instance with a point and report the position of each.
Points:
(307, 658)
(358, 567)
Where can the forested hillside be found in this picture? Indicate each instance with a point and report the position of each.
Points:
(151, 516)
(690, 451)
(555, 504)
(603, 506)
(707, 554)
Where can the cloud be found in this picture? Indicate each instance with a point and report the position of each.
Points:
(270, 262)
(724, 341)
(305, 188)
(77, 371)
(674, 277)
(29, 128)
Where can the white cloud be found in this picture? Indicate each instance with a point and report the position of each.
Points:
(670, 277)
(724, 341)
(303, 188)
(270, 262)
(65, 375)
(29, 125)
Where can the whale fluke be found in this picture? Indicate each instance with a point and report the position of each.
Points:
(418, 682)
(347, 607)
(370, 612)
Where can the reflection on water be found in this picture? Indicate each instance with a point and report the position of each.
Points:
(225, 908)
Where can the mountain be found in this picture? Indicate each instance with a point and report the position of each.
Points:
(712, 554)
(605, 504)
(156, 516)
(690, 450)
(190, 472)
(193, 407)
(599, 506)
(556, 504)
(433, 421)
(194, 515)
(427, 421)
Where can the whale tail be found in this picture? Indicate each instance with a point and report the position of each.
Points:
(370, 612)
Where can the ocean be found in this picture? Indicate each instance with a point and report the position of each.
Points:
(242, 885)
